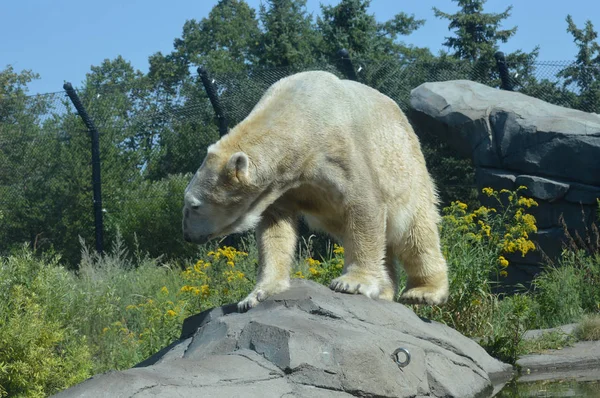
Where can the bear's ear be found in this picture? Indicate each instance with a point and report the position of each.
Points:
(238, 167)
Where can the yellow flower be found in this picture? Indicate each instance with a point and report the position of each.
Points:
(521, 187)
(164, 290)
(488, 191)
(503, 273)
(105, 330)
(205, 289)
(231, 263)
(171, 313)
(312, 262)
(313, 271)
(503, 262)
(485, 229)
(525, 202)
(483, 211)
(529, 221)
(461, 205)
(338, 249)
(299, 275)
(130, 307)
(509, 246)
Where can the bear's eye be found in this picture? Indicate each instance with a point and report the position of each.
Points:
(195, 206)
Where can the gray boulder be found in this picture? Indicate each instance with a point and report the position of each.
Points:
(515, 140)
(308, 342)
(508, 130)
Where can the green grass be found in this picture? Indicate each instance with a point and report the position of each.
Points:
(553, 340)
(589, 328)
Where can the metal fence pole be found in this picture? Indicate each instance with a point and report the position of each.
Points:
(211, 91)
(96, 180)
(346, 63)
(503, 70)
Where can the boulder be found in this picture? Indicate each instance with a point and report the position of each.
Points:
(308, 342)
(512, 131)
(515, 140)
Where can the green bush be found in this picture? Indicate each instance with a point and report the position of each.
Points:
(474, 245)
(39, 354)
(148, 215)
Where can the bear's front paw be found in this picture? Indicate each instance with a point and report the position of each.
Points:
(349, 283)
(249, 302)
(261, 294)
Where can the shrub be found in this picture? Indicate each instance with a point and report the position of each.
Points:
(475, 244)
(149, 215)
(39, 354)
(589, 328)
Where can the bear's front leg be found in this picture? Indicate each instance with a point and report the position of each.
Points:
(276, 237)
(364, 245)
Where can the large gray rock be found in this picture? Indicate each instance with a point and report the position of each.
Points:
(513, 131)
(308, 342)
(515, 140)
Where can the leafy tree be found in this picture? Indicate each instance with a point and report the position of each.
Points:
(225, 41)
(27, 160)
(477, 33)
(585, 71)
(289, 37)
(477, 36)
(349, 25)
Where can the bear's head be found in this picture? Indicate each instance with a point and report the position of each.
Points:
(221, 198)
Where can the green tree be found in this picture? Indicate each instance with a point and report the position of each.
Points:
(585, 71)
(476, 33)
(289, 37)
(349, 25)
(477, 36)
(27, 159)
(225, 41)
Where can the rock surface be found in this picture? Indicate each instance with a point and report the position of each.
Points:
(308, 342)
(516, 140)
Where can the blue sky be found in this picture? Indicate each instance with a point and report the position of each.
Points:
(61, 39)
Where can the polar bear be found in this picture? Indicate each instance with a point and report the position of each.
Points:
(343, 156)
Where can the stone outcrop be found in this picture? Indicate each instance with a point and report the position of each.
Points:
(308, 342)
(516, 140)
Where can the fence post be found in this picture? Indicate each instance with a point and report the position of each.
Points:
(211, 91)
(347, 66)
(503, 70)
(96, 180)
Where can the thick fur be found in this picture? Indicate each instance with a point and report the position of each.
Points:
(345, 157)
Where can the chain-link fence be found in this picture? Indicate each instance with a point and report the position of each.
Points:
(151, 136)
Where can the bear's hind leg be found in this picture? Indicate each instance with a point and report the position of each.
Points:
(425, 265)
(389, 290)
(276, 237)
(364, 244)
